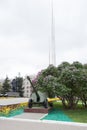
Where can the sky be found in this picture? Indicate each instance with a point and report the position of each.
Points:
(25, 34)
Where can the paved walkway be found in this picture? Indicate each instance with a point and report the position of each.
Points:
(33, 116)
(9, 101)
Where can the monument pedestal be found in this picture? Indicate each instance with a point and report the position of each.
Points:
(37, 110)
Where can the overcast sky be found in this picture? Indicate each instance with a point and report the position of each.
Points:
(25, 34)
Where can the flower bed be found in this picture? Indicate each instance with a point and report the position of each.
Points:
(10, 109)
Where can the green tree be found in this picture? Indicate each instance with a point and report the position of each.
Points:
(83, 87)
(50, 70)
(48, 85)
(61, 67)
(85, 66)
(72, 84)
(46, 80)
(69, 81)
(0, 88)
(19, 87)
(77, 64)
(6, 85)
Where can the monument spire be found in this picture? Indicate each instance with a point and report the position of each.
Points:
(52, 55)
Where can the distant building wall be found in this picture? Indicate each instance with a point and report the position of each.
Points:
(27, 86)
(13, 94)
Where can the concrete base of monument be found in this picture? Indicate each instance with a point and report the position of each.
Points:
(37, 110)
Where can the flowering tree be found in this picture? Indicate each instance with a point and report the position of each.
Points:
(46, 80)
(48, 85)
(68, 81)
(72, 84)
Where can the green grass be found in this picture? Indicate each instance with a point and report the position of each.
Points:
(77, 115)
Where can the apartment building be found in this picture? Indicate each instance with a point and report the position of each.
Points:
(27, 86)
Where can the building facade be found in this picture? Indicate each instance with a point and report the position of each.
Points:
(27, 87)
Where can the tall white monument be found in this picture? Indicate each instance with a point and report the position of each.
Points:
(52, 55)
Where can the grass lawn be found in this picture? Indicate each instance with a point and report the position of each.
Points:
(77, 115)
